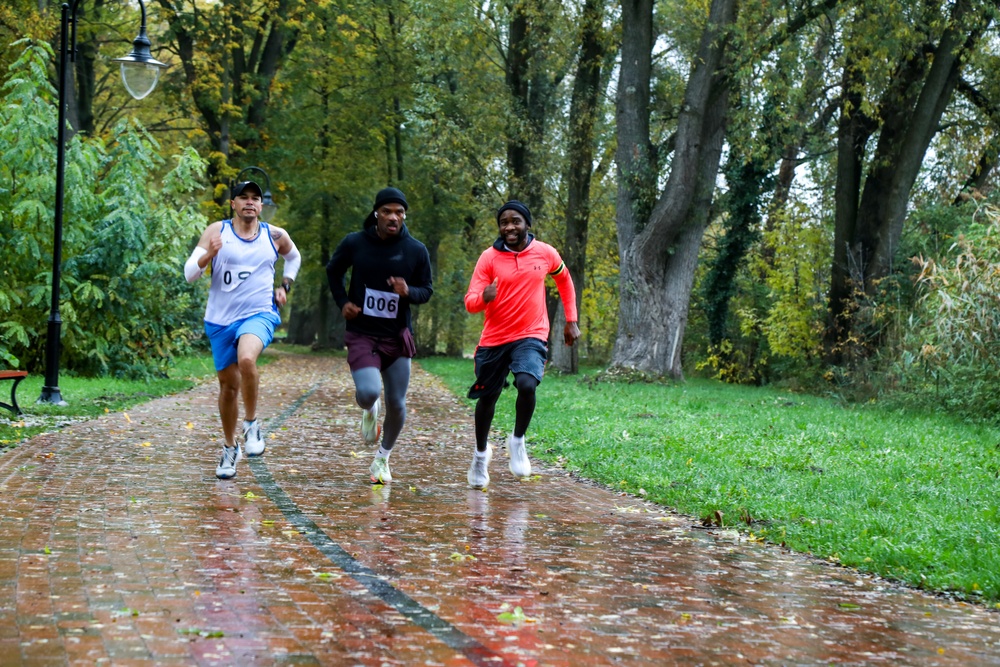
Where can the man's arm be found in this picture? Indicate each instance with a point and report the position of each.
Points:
(289, 252)
(208, 247)
(336, 269)
(421, 287)
(567, 294)
(481, 279)
(293, 260)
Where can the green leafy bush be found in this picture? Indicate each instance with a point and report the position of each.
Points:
(125, 307)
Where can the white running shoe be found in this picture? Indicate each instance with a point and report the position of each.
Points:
(253, 441)
(370, 428)
(227, 463)
(380, 471)
(479, 474)
(520, 466)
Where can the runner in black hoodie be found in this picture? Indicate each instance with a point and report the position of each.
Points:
(389, 271)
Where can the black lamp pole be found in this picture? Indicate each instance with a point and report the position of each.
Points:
(140, 72)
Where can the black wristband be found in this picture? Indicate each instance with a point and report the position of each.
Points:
(287, 286)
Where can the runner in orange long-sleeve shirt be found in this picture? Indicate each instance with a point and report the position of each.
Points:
(509, 284)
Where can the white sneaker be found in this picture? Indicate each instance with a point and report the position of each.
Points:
(479, 474)
(520, 466)
(380, 471)
(253, 441)
(227, 463)
(370, 428)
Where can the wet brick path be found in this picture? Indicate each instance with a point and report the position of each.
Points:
(119, 547)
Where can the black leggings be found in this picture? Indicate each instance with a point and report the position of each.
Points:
(524, 408)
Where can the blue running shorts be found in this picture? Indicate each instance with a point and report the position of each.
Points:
(224, 338)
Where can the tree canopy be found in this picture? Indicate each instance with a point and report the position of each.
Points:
(738, 189)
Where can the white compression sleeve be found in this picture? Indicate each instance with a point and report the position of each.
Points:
(191, 269)
(293, 260)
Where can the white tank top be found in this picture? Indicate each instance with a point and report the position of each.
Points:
(242, 276)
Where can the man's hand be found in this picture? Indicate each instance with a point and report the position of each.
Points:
(214, 246)
(571, 333)
(490, 293)
(280, 296)
(350, 310)
(399, 286)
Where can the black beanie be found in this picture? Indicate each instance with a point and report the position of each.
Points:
(389, 196)
(515, 205)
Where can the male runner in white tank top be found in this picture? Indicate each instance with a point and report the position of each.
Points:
(242, 310)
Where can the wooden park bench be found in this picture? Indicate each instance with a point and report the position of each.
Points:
(16, 377)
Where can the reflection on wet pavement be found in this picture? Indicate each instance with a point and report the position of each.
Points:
(119, 546)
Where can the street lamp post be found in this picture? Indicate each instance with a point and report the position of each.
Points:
(268, 209)
(140, 73)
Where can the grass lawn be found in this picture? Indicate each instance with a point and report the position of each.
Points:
(913, 497)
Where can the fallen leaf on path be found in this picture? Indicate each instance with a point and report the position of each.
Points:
(515, 617)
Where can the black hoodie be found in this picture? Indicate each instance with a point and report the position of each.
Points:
(373, 261)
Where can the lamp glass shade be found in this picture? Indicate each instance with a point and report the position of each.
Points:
(268, 209)
(140, 78)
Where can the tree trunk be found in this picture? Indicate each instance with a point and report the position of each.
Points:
(430, 313)
(582, 118)
(516, 76)
(852, 136)
(325, 306)
(82, 116)
(531, 86)
(658, 262)
(301, 327)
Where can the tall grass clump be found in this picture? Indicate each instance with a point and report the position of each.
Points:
(949, 353)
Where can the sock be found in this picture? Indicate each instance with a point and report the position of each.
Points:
(482, 455)
(383, 453)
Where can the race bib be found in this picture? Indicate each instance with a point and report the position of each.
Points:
(381, 304)
(233, 276)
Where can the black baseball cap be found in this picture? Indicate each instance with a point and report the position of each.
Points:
(242, 187)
